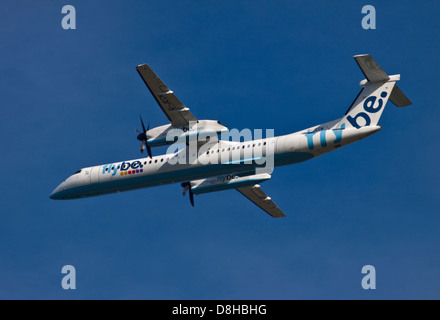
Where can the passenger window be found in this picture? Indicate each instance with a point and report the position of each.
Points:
(161, 160)
(155, 161)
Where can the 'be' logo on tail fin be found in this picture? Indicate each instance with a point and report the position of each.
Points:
(369, 106)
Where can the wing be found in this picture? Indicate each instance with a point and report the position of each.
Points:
(175, 110)
(257, 196)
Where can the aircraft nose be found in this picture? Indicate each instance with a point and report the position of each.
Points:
(56, 193)
(54, 196)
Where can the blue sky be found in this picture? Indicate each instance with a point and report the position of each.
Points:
(71, 98)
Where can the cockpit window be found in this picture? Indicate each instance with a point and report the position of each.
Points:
(78, 171)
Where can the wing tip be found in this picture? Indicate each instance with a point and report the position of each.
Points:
(141, 65)
(361, 55)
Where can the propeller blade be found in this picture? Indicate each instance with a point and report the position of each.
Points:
(137, 131)
(143, 126)
(148, 150)
(185, 189)
(191, 197)
(143, 143)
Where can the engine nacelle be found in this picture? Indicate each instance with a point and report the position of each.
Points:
(225, 182)
(168, 134)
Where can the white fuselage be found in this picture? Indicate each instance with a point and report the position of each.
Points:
(222, 158)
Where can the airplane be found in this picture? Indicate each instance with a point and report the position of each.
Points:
(218, 164)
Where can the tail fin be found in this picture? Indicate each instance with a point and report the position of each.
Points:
(378, 87)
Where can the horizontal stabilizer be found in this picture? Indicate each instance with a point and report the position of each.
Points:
(398, 98)
(372, 71)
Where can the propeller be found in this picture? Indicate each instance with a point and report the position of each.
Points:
(187, 187)
(142, 137)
